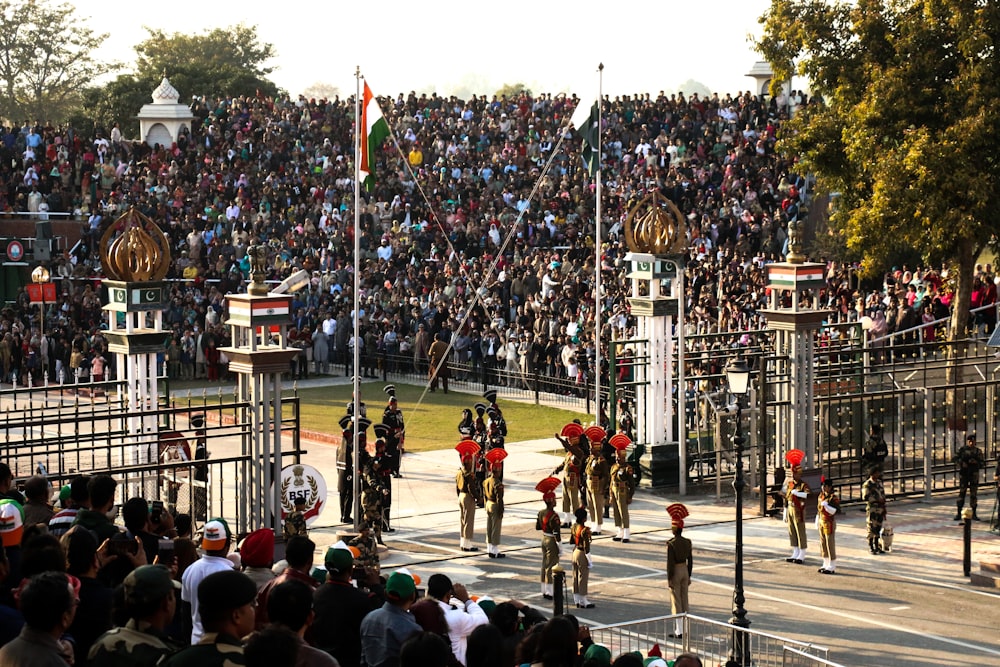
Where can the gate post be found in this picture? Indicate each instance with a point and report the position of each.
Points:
(258, 323)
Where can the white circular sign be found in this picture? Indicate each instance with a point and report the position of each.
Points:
(302, 481)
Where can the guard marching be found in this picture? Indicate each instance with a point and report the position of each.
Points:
(574, 442)
(679, 566)
(395, 440)
(582, 562)
(622, 480)
(469, 492)
(493, 494)
(548, 523)
(598, 473)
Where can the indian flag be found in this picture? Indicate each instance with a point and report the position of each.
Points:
(374, 131)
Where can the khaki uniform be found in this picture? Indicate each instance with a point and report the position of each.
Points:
(548, 523)
(679, 565)
(493, 492)
(622, 489)
(597, 479)
(571, 484)
(468, 494)
(828, 525)
(581, 537)
(796, 513)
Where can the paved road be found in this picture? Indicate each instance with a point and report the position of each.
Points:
(911, 607)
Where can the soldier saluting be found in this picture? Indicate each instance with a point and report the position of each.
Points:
(970, 461)
(574, 442)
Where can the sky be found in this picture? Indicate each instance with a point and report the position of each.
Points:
(460, 47)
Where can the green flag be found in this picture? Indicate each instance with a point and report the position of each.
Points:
(587, 124)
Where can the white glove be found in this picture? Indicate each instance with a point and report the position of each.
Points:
(560, 547)
(784, 515)
(800, 494)
(590, 561)
(828, 508)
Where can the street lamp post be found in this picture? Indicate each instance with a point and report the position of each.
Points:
(738, 378)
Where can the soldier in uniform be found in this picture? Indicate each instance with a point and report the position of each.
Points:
(970, 461)
(598, 474)
(395, 441)
(438, 355)
(469, 492)
(548, 523)
(796, 491)
(295, 522)
(829, 505)
(501, 424)
(573, 441)
(382, 465)
(875, 449)
(495, 436)
(367, 566)
(622, 483)
(581, 539)
(345, 468)
(493, 494)
(679, 566)
(874, 497)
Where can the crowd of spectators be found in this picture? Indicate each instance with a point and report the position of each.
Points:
(76, 588)
(480, 197)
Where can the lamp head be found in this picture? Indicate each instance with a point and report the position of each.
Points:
(738, 376)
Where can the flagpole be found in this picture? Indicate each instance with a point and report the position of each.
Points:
(356, 482)
(597, 264)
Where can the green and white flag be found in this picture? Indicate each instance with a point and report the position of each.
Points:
(586, 120)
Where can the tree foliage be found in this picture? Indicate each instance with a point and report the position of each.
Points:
(512, 90)
(45, 59)
(908, 129)
(220, 62)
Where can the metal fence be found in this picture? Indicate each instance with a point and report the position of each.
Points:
(68, 430)
(715, 642)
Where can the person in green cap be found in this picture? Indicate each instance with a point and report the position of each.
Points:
(384, 630)
(151, 596)
(340, 608)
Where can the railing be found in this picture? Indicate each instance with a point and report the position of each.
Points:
(712, 641)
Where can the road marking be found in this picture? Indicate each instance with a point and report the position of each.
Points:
(859, 619)
(898, 608)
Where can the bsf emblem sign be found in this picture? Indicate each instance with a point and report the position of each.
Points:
(302, 481)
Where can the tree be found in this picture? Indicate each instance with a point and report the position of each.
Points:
(221, 62)
(321, 90)
(512, 91)
(45, 59)
(908, 128)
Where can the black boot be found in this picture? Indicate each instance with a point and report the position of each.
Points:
(872, 545)
(958, 513)
(975, 517)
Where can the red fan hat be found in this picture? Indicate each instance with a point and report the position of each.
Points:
(795, 458)
(678, 513)
(620, 441)
(595, 434)
(547, 487)
(571, 430)
(467, 449)
(496, 456)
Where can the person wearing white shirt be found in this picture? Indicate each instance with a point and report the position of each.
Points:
(384, 251)
(462, 614)
(215, 543)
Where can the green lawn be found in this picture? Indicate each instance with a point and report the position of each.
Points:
(433, 424)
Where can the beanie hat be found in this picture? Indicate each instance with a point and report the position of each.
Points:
(339, 558)
(599, 654)
(400, 586)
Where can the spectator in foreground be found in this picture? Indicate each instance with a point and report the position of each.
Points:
(150, 596)
(299, 554)
(257, 556)
(290, 605)
(384, 631)
(461, 618)
(48, 603)
(273, 645)
(225, 606)
(340, 608)
(426, 649)
(215, 543)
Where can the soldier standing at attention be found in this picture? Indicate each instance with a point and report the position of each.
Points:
(796, 492)
(572, 440)
(367, 565)
(970, 461)
(597, 476)
(582, 562)
(345, 468)
(679, 566)
(875, 449)
(874, 497)
(396, 439)
(493, 493)
(829, 505)
(468, 490)
(622, 486)
(381, 465)
(548, 523)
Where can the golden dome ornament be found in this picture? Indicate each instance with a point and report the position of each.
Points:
(134, 249)
(656, 226)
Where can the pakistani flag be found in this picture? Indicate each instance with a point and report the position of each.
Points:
(374, 131)
(586, 120)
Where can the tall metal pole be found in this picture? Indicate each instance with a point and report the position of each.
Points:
(356, 464)
(740, 645)
(597, 261)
